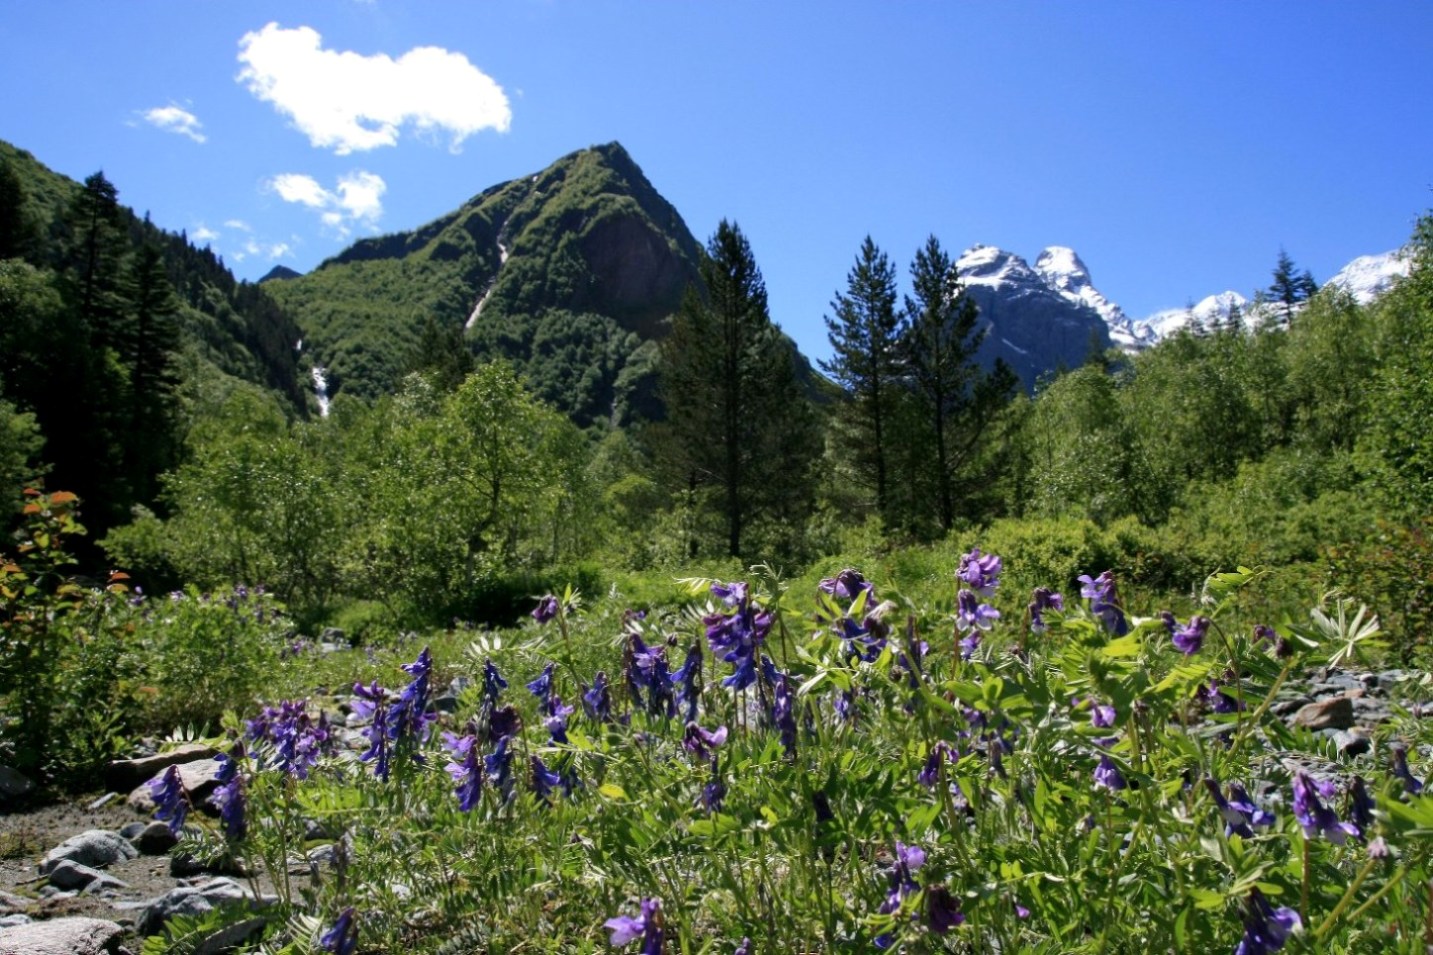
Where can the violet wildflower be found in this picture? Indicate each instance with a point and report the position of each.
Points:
(969, 644)
(942, 909)
(229, 797)
(502, 722)
(597, 699)
(865, 639)
(1360, 807)
(647, 926)
(542, 685)
(1043, 599)
(1238, 811)
(498, 767)
(1189, 638)
(1104, 601)
(847, 584)
(544, 780)
(1102, 715)
(783, 713)
(980, 572)
(744, 948)
(556, 722)
(1218, 700)
(409, 718)
(700, 743)
(1266, 928)
(546, 609)
(714, 792)
(1313, 815)
(493, 683)
(649, 668)
(970, 613)
(292, 738)
(342, 939)
(929, 774)
(844, 704)
(688, 681)
(171, 802)
(1108, 775)
(1411, 784)
(736, 637)
(465, 769)
(372, 703)
(908, 860)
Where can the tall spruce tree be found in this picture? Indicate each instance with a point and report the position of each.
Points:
(956, 397)
(739, 435)
(1290, 286)
(149, 349)
(865, 330)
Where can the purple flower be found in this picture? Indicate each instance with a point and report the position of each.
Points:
(171, 803)
(1108, 775)
(714, 792)
(732, 594)
(970, 613)
(929, 774)
(1218, 700)
(230, 799)
(1313, 815)
(409, 717)
(744, 948)
(980, 572)
(493, 682)
(649, 669)
(1411, 785)
(688, 681)
(784, 713)
(700, 743)
(969, 644)
(847, 584)
(542, 686)
(372, 703)
(465, 769)
(1266, 928)
(647, 927)
(736, 637)
(942, 909)
(544, 780)
(502, 722)
(1104, 601)
(1360, 806)
(1190, 637)
(342, 939)
(498, 767)
(1043, 599)
(292, 738)
(1102, 715)
(556, 723)
(908, 860)
(597, 699)
(1238, 811)
(546, 609)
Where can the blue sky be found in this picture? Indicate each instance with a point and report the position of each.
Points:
(1177, 146)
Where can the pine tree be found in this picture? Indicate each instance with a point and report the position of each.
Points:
(865, 330)
(16, 230)
(1290, 286)
(96, 259)
(739, 434)
(956, 397)
(149, 350)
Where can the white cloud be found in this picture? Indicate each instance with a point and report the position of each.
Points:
(202, 233)
(173, 119)
(349, 102)
(267, 250)
(356, 199)
(239, 224)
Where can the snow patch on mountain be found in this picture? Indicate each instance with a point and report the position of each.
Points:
(1369, 276)
(1064, 271)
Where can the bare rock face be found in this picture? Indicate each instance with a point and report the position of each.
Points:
(72, 936)
(1335, 712)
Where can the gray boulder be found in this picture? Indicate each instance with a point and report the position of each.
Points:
(1335, 712)
(199, 779)
(68, 874)
(96, 848)
(195, 900)
(72, 936)
(125, 774)
(154, 839)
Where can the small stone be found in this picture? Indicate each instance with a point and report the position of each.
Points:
(68, 874)
(103, 801)
(1334, 712)
(1351, 743)
(9, 921)
(96, 848)
(155, 839)
(131, 830)
(10, 902)
(64, 936)
(54, 893)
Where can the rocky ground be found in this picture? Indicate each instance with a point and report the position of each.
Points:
(97, 875)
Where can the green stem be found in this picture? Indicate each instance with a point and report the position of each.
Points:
(1304, 890)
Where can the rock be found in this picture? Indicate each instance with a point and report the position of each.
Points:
(194, 900)
(68, 874)
(125, 774)
(9, 902)
(66, 936)
(96, 848)
(132, 830)
(333, 635)
(199, 779)
(444, 704)
(155, 839)
(1290, 706)
(1335, 712)
(13, 784)
(10, 921)
(1352, 742)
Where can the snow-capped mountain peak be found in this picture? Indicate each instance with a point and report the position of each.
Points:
(1064, 271)
(1369, 276)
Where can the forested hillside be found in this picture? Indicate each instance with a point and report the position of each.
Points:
(116, 337)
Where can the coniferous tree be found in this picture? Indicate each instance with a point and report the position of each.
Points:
(739, 433)
(957, 398)
(150, 350)
(865, 331)
(96, 259)
(16, 231)
(1290, 286)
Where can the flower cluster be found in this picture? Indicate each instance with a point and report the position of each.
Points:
(737, 636)
(647, 926)
(289, 737)
(171, 801)
(941, 910)
(1105, 602)
(229, 797)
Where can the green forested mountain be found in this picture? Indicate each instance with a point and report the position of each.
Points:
(115, 336)
(569, 273)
